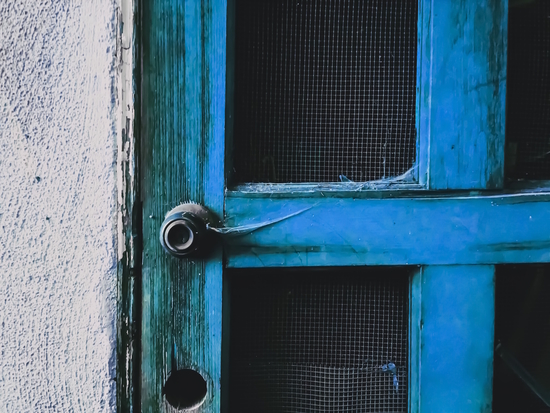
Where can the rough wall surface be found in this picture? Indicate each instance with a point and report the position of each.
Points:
(57, 205)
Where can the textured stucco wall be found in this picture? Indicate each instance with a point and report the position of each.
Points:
(57, 205)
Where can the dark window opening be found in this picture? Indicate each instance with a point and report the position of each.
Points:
(522, 329)
(324, 88)
(323, 341)
(528, 91)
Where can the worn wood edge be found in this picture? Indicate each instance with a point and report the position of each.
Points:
(317, 189)
(291, 191)
(260, 258)
(128, 219)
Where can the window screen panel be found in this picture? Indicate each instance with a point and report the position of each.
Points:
(522, 328)
(324, 88)
(318, 342)
(528, 90)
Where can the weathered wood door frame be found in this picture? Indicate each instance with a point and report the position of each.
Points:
(460, 109)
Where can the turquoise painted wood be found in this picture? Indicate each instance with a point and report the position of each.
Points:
(462, 110)
(432, 230)
(182, 159)
(461, 139)
(463, 90)
(456, 339)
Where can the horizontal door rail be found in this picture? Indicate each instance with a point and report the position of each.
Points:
(434, 230)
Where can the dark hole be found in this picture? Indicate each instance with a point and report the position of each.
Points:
(178, 236)
(185, 389)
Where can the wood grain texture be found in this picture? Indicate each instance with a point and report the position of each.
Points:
(183, 110)
(463, 90)
(431, 230)
(129, 220)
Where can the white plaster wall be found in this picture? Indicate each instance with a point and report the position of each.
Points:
(57, 205)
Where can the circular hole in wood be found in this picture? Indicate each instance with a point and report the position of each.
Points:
(185, 389)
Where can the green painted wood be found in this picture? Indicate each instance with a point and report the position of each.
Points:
(462, 106)
(182, 153)
(456, 339)
(430, 230)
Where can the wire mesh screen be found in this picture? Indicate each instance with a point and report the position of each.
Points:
(522, 328)
(324, 88)
(528, 93)
(318, 343)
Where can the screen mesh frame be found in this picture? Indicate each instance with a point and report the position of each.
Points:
(416, 177)
(528, 86)
(402, 278)
(522, 306)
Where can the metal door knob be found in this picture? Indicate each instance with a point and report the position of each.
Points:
(184, 232)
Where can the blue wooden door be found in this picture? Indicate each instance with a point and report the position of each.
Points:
(451, 224)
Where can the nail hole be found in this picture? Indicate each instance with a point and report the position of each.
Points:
(185, 389)
(178, 236)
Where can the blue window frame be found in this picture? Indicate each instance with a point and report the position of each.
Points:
(454, 225)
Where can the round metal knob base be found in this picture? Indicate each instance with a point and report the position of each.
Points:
(184, 232)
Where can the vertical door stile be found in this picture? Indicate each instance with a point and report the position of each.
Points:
(467, 91)
(465, 123)
(456, 338)
(183, 117)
